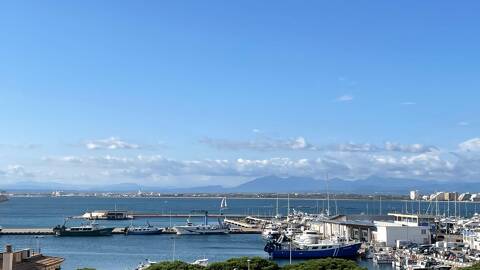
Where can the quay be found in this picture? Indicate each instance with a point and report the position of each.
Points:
(118, 230)
(176, 215)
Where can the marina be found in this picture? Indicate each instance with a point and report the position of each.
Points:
(298, 234)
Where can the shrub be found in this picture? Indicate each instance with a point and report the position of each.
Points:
(325, 264)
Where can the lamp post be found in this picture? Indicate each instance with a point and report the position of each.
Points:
(248, 264)
(173, 250)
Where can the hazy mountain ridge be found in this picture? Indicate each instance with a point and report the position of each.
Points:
(267, 184)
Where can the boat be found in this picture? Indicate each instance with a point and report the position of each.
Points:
(271, 232)
(92, 229)
(383, 258)
(223, 204)
(201, 262)
(321, 249)
(143, 230)
(204, 228)
(3, 197)
(107, 215)
(145, 265)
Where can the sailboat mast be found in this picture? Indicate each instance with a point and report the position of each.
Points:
(277, 206)
(328, 195)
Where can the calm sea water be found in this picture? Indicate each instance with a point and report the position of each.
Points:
(125, 252)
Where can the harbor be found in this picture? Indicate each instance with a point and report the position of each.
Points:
(348, 225)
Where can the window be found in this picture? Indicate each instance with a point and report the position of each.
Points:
(424, 231)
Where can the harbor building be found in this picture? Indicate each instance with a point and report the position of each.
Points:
(340, 226)
(409, 228)
(465, 197)
(26, 259)
(444, 196)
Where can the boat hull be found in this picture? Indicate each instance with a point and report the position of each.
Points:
(192, 230)
(99, 232)
(347, 251)
(152, 232)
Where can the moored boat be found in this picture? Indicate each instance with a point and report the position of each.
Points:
(205, 228)
(92, 229)
(143, 230)
(321, 249)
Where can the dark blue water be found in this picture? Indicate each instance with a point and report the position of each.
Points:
(125, 252)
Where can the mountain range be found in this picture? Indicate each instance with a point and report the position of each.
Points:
(272, 184)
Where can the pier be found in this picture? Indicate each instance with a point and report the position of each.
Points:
(117, 230)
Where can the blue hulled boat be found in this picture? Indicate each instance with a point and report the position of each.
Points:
(322, 249)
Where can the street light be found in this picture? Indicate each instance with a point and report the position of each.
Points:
(248, 264)
(173, 251)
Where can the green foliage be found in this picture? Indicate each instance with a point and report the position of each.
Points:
(324, 264)
(176, 265)
(473, 267)
(256, 263)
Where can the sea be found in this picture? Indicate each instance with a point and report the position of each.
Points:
(120, 252)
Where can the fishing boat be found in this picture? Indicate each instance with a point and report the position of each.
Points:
(204, 228)
(321, 249)
(143, 230)
(92, 229)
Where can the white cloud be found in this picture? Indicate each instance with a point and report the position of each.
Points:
(345, 98)
(110, 143)
(472, 145)
(301, 144)
(16, 171)
(260, 144)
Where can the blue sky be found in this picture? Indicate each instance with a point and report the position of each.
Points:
(181, 93)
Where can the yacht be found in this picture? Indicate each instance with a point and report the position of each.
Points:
(204, 228)
(143, 230)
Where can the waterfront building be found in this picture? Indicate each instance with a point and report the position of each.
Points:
(26, 259)
(341, 227)
(410, 228)
(465, 196)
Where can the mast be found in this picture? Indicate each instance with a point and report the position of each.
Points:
(277, 206)
(288, 204)
(380, 205)
(328, 195)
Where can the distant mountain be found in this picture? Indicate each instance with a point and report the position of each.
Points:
(363, 186)
(270, 184)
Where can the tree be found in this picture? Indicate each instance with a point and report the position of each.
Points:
(473, 267)
(176, 265)
(325, 264)
(256, 263)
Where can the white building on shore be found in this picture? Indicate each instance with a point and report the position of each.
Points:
(408, 228)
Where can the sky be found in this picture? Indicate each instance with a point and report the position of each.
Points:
(189, 93)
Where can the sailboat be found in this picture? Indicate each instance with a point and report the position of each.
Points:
(223, 204)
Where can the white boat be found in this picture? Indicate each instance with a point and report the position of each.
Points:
(201, 262)
(223, 203)
(383, 258)
(143, 230)
(145, 265)
(204, 228)
(271, 232)
(307, 237)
